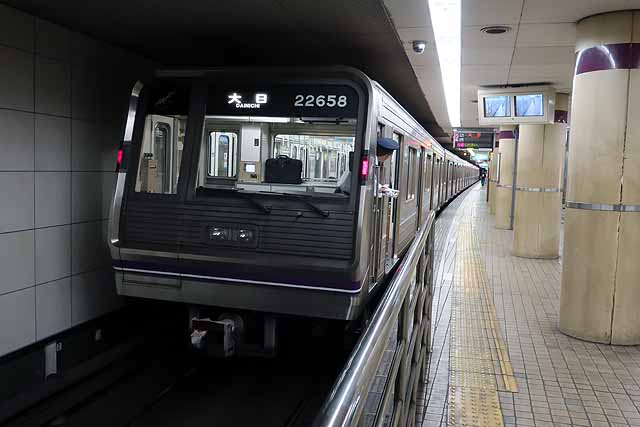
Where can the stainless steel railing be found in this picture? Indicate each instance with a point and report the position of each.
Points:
(405, 309)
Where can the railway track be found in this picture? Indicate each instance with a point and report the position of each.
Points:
(177, 387)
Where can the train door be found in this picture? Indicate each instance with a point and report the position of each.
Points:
(156, 162)
(447, 180)
(422, 183)
(392, 171)
(384, 213)
(222, 150)
(443, 181)
(426, 202)
(441, 167)
(378, 244)
(436, 181)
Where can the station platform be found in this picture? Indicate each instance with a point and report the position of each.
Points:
(498, 356)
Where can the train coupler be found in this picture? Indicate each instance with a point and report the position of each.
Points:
(218, 338)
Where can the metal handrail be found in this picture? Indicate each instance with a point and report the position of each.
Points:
(345, 404)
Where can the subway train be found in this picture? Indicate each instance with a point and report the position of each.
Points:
(197, 219)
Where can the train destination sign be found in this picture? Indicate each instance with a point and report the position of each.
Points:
(335, 101)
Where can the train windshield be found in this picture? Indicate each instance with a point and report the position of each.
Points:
(280, 139)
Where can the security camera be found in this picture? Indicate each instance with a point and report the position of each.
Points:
(419, 46)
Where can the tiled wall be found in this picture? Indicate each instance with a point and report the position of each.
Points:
(63, 98)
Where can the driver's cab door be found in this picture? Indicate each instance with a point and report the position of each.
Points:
(160, 157)
(384, 212)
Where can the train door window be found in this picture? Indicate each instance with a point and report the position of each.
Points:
(222, 154)
(428, 174)
(165, 124)
(394, 161)
(412, 173)
(380, 130)
(162, 153)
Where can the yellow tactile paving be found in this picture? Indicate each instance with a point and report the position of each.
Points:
(479, 363)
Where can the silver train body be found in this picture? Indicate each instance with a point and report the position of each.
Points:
(194, 221)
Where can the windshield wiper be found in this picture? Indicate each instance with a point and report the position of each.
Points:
(311, 205)
(246, 196)
(267, 208)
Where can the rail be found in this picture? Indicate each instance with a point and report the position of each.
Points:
(404, 310)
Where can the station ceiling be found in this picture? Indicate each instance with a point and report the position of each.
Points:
(539, 48)
(358, 33)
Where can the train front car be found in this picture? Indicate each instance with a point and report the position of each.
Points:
(228, 195)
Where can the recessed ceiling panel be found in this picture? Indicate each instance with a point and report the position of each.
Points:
(491, 12)
(555, 11)
(543, 55)
(486, 56)
(560, 75)
(563, 34)
(484, 74)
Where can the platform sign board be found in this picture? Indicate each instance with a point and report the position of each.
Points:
(463, 139)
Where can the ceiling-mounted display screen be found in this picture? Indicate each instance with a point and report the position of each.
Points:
(530, 105)
(516, 105)
(497, 106)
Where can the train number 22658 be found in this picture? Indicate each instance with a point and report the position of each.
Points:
(321, 101)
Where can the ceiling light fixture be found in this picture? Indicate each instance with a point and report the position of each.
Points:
(446, 20)
(496, 29)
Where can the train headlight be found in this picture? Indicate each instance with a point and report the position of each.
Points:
(219, 233)
(246, 235)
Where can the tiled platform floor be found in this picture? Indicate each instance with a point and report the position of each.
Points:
(560, 380)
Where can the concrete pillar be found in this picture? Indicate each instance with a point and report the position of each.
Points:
(506, 163)
(600, 296)
(536, 230)
(492, 178)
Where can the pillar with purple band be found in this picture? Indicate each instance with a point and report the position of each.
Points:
(600, 292)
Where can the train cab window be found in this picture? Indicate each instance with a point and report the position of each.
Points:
(163, 137)
(279, 141)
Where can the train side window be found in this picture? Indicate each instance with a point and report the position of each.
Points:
(162, 142)
(412, 173)
(428, 173)
(380, 130)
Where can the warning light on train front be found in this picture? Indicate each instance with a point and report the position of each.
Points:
(119, 160)
(365, 167)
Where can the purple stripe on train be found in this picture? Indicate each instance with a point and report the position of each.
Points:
(561, 116)
(616, 56)
(308, 281)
